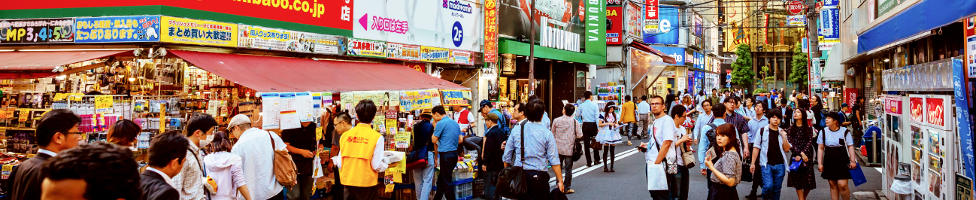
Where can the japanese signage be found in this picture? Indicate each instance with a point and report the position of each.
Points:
(892, 105)
(829, 29)
(935, 108)
(461, 57)
(650, 9)
(963, 118)
(191, 31)
(634, 22)
(285, 40)
(669, 23)
(916, 109)
(456, 97)
(795, 7)
(435, 55)
(551, 36)
(491, 31)
(403, 51)
(699, 60)
(970, 34)
(796, 20)
(615, 18)
(453, 24)
(366, 48)
(596, 27)
(884, 6)
(117, 29)
(561, 18)
(37, 30)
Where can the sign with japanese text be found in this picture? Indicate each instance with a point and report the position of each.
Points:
(650, 9)
(257, 37)
(634, 22)
(491, 31)
(456, 97)
(435, 54)
(200, 32)
(829, 29)
(454, 24)
(615, 26)
(461, 57)
(55, 30)
(916, 106)
(399, 51)
(366, 48)
(668, 26)
(892, 105)
(969, 24)
(117, 29)
(796, 20)
(963, 118)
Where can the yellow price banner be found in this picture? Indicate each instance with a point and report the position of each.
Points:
(60, 97)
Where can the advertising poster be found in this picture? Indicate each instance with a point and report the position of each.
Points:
(850, 96)
(669, 23)
(916, 108)
(456, 97)
(634, 22)
(399, 51)
(615, 26)
(454, 24)
(796, 20)
(461, 57)
(563, 16)
(435, 55)
(55, 30)
(366, 48)
(257, 37)
(677, 53)
(199, 32)
(699, 60)
(491, 31)
(970, 35)
(117, 29)
(962, 119)
(697, 31)
(829, 29)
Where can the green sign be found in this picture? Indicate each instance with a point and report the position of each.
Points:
(596, 27)
(884, 6)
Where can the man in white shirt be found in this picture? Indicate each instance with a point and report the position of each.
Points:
(199, 131)
(255, 149)
(662, 135)
(643, 112)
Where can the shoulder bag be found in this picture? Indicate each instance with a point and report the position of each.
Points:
(655, 172)
(511, 181)
(284, 167)
(857, 176)
(577, 147)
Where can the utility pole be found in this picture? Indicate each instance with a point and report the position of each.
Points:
(812, 16)
(532, 48)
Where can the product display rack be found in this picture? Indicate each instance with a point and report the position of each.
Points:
(610, 93)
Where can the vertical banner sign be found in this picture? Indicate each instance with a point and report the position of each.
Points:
(615, 29)
(117, 29)
(491, 31)
(970, 27)
(651, 16)
(850, 96)
(829, 27)
(962, 118)
(634, 27)
(56, 30)
(596, 28)
(191, 31)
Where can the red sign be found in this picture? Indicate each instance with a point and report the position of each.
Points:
(915, 109)
(795, 7)
(615, 28)
(893, 105)
(650, 9)
(491, 31)
(935, 110)
(850, 97)
(420, 67)
(326, 13)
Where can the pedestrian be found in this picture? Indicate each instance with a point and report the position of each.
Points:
(361, 154)
(167, 155)
(714, 96)
(447, 136)
(343, 122)
(423, 176)
(225, 168)
(769, 149)
(628, 117)
(746, 110)
(835, 142)
(486, 107)
(856, 119)
(567, 132)
(491, 155)
(741, 124)
(662, 136)
(784, 110)
(590, 113)
(609, 123)
(816, 106)
(704, 118)
(55, 132)
(678, 187)
(643, 116)
(70, 176)
(533, 147)
(302, 145)
(199, 131)
(257, 148)
(756, 124)
(463, 117)
(669, 100)
(726, 172)
(801, 137)
(123, 133)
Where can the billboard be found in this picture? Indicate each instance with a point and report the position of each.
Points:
(55, 30)
(615, 26)
(677, 53)
(564, 18)
(669, 23)
(257, 37)
(199, 32)
(117, 29)
(634, 21)
(454, 24)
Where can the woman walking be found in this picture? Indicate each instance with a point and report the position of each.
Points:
(836, 143)
(727, 171)
(225, 168)
(800, 135)
(607, 126)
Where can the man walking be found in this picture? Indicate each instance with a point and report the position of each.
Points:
(770, 150)
(758, 122)
(167, 155)
(57, 131)
(257, 152)
(643, 116)
(628, 117)
(199, 131)
(533, 147)
(423, 177)
(566, 131)
(487, 107)
(590, 113)
(659, 146)
(447, 136)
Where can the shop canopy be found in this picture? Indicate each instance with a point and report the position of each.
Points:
(833, 69)
(921, 17)
(39, 64)
(283, 74)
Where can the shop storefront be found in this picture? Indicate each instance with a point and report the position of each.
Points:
(653, 72)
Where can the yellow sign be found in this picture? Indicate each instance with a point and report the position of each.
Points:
(162, 118)
(75, 96)
(24, 114)
(435, 54)
(60, 97)
(103, 102)
(191, 31)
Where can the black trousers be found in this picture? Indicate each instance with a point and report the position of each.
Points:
(589, 131)
(337, 189)
(362, 193)
(757, 180)
(538, 182)
(445, 177)
(279, 196)
(679, 186)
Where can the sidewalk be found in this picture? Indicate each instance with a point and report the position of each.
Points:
(869, 195)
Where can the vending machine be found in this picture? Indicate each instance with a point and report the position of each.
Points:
(932, 136)
(896, 156)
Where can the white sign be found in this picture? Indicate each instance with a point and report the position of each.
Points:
(796, 20)
(556, 37)
(257, 37)
(452, 24)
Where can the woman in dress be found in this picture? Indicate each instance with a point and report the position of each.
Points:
(836, 143)
(800, 135)
(727, 171)
(608, 123)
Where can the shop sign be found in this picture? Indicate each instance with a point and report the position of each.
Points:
(451, 24)
(403, 51)
(795, 7)
(54, 30)
(970, 35)
(677, 53)
(916, 108)
(615, 28)
(596, 28)
(566, 16)
(634, 21)
(199, 32)
(554, 36)
(892, 105)
(456, 97)
(699, 61)
(829, 28)
(461, 57)
(962, 118)
(366, 48)
(668, 27)
(796, 20)
(885, 6)
(935, 107)
(850, 97)
(651, 9)
(257, 37)
(491, 31)
(435, 55)
(117, 29)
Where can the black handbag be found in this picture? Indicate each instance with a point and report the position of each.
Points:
(512, 183)
(577, 146)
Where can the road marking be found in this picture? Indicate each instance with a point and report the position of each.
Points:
(583, 170)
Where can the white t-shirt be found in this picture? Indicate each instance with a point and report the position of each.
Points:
(662, 130)
(679, 132)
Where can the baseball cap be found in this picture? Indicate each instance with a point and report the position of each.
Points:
(238, 120)
(485, 103)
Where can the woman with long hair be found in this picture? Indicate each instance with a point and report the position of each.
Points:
(609, 122)
(836, 143)
(801, 136)
(727, 171)
(816, 106)
(225, 169)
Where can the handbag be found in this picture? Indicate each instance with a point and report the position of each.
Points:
(577, 146)
(512, 181)
(689, 157)
(284, 167)
(795, 165)
(857, 176)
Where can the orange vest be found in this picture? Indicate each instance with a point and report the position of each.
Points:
(356, 147)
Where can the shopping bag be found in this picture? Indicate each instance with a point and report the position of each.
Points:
(656, 177)
(317, 167)
(795, 165)
(857, 176)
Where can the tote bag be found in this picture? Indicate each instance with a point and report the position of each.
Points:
(656, 176)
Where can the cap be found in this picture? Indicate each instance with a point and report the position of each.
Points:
(238, 120)
(485, 103)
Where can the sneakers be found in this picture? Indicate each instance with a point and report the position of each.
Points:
(570, 191)
(629, 144)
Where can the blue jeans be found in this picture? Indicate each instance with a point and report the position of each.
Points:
(423, 178)
(772, 176)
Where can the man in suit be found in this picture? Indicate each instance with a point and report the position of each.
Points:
(57, 131)
(167, 153)
(786, 111)
(69, 175)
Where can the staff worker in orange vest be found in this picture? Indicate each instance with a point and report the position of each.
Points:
(361, 150)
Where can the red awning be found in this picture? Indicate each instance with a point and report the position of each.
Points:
(283, 74)
(643, 47)
(38, 64)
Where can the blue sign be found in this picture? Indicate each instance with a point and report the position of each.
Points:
(829, 28)
(962, 117)
(670, 22)
(699, 60)
(827, 3)
(677, 53)
(117, 29)
(457, 34)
